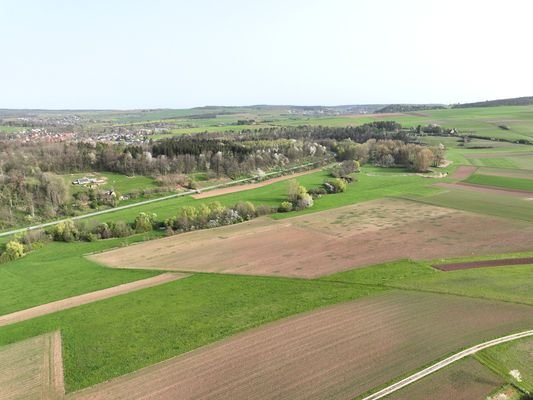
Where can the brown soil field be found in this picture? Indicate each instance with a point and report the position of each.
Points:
(248, 186)
(484, 263)
(464, 380)
(485, 189)
(337, 352)
(330, 241)
(32, 369)
(91, 297)
(463, 172)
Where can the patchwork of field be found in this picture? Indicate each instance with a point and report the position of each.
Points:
(32, 369)
(464, 380)
(337, 352)
(329, 241)
(513, 361)
(512, 183)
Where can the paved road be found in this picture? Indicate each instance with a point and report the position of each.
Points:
(142, 203)
(444, 363)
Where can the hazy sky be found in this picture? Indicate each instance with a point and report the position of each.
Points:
(184, 53)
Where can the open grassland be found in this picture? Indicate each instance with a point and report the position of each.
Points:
(512, 356)
(58, 271)
(466, 379)
(506, 172)
(329, 241)
(337, 352)
(112, 181)
(501, 181)
(32, 369)
(465, 198)
(500, 283)
(122, 334)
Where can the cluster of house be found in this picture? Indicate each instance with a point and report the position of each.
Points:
(42, 135)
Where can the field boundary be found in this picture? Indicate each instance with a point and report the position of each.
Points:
(71, 302)
(484, 263)
(444, 363)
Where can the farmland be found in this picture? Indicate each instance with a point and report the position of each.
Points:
(465, 380)
(319, 244)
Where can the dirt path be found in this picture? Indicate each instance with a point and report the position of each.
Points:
(486, 189)
(248, 186)
(485, 263)
(338, 352)
(75, 301)
(463, 172)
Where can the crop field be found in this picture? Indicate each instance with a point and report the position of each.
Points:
(513, 160)
(499, 283)
(32, 369)
(502, 181)
(379, 338)
(513, 361)
(323, 243)
(506, 172)
(479, 201)
(465, 380)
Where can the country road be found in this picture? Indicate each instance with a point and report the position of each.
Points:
(142, 203)
(444, 363)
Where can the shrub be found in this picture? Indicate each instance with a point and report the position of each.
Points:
(285, 206)
(103, 231)
(144, 222)
(12, 251)
(263, 209)
(245, 209)
(120, 229)
(304, 201)
(65, 231)
(335, 185)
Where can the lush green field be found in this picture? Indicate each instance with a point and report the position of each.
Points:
(118, 182)
(58, 271)
(501, 283)
(515, 355)
(501, 181)
(493, 204)
(122, 334)
(515, 160)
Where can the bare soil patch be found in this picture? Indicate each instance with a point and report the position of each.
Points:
(75, 301)
(330, 241)
(465, 380)
(32, 369)
(485, 263)
(248, 186)
(485, 189)
(338, 352)
(463, 172)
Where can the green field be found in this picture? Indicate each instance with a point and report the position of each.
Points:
(501, 181)
(501, 283)
(58, 271)
(493, 204)
(515, 355)
(113, 181)
(119, 335)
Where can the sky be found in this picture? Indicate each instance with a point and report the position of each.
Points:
(118, 54)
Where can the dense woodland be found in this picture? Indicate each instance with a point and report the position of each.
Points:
(31, 188)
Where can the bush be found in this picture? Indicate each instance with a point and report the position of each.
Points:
(65, 231)
(317, 192)
(285, 206)
(120, 229)
(12, 251)
(263, 209)
(304, 201)
(144, 222)
(245, 209)
(103, 231)
(335, 185)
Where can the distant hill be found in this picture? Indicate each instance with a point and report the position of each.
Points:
(515, 101)
(403, 108)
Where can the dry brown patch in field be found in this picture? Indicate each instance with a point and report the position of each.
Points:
(248, 186)
(323, 243)
(464, 380)
(463, 172)
(86, 298)
(337, 352)
(32, 369)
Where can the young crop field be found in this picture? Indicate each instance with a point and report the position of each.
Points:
(464, 380)
(499, 283)
(329, 241)
(509, 160)
(513, 361)
(501, 181)
(379, 337)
